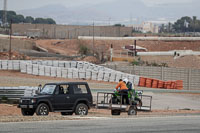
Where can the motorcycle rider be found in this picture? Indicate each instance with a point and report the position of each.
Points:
(132, 92)
(123, 90)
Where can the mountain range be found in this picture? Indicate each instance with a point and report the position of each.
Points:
(117, 11)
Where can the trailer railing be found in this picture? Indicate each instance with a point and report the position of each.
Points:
(15, 93)
(104, 101)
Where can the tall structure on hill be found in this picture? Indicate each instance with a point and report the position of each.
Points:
(5, 13)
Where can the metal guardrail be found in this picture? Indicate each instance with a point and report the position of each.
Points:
(12, 94)
(15, 93)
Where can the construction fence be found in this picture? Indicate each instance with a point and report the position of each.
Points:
(190, 77)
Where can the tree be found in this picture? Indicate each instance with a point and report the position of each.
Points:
(29, 19)
(180, 24)
(50, 21)
(44, 21)
(194, 21)
(17, 18)
(120, 25)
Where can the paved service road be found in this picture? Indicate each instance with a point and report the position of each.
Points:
(178, 124)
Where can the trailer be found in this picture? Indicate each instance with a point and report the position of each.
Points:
(105, 101)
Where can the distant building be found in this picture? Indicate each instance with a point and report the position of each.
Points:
(146, 27)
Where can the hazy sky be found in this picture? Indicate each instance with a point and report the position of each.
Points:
(27, 4)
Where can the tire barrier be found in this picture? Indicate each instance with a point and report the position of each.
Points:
(67, 69)
(154, 83)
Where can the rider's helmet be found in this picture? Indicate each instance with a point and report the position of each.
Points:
(125, 80)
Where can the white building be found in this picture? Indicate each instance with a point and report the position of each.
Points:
(146, 27)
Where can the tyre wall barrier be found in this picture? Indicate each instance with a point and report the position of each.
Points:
(154, 83)
(67, 69)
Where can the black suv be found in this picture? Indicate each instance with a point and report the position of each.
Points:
(67, 98)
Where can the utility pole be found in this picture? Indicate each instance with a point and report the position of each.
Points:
(111, 52)
(5, 13)
(194, 24)
(93, 39)
(135, 48)
(10, 40)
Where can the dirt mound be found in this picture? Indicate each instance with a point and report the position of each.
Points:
(184, 61)
(187, 61)
(65, 47)
(70, 47)
(14, 56)
(91, 59)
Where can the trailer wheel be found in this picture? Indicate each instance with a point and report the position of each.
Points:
(132, 111)
(115, 112)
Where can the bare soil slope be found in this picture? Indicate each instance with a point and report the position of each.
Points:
(71, 47)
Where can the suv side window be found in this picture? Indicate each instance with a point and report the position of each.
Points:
(80, 89)
(62, 89)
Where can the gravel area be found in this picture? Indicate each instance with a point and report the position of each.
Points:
(13, 78)
(162, 103)
(10, 113)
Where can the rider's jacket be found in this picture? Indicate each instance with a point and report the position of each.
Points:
(121, 85)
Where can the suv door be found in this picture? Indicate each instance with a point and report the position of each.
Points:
(80, 92)
(61, 98)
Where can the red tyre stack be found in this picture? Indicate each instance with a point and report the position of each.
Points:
(142, 82)
(179, 84)
(149, 82)
(155, 83)
(160, 84)
(168, 84)
(173, 85)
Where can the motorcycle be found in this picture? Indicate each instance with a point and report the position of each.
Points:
(133, 97)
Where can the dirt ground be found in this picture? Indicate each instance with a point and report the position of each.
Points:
(185, 61)
(71, 47)
(10, 113)
(14, 78)
(162, 102)
(14, 56)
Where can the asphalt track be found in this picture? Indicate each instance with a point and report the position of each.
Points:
(172, 124)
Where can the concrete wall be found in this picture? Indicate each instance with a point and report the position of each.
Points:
(190, 77)
(71, 31)
(16, 44)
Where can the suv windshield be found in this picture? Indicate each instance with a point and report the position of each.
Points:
(48, 89)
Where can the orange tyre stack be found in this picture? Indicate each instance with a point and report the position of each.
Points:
(179, 84)
(173, 85)
(165, 85)
(155, 83)
(149, 82)
(142, 82)
(160, 84)
(168, 84)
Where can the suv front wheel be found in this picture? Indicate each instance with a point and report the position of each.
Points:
(42, 109)
(81, 109)
(27, 112)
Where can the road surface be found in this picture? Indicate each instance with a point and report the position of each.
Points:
(178, 124)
